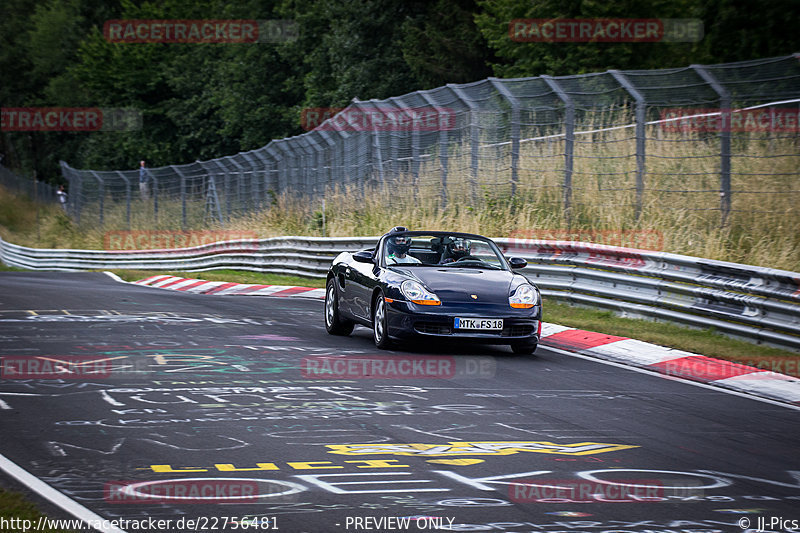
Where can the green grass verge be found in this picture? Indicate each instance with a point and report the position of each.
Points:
(6, 268)
(14, 506)
(700, 341)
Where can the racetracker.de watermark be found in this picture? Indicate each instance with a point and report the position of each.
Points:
(374, 118)
(777, 120)
(705, 369)
(55, 367)
(190, 491)
(549, 490)
(200, 31)
(605, 30)
(70, 119)
(120, 240)
(397, 367)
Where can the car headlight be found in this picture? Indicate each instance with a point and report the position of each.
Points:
(418, 294)
(523, 297)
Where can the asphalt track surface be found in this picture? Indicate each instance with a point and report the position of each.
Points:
(221, 410)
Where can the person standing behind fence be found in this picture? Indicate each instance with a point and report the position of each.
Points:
(144, 180)
(62, 197)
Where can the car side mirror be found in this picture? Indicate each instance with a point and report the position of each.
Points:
(364, 256)
(517, 262)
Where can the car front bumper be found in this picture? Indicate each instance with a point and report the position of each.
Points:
(407, 320)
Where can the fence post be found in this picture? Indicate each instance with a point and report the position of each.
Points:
(226, 187)
(244, 201)
(258, 196)
(474, 138)
(515, 130)
(443, 148)
(275, 172)
(100, 194)
(329, 153)
(569, 144)
(641, 116)
(73, 190)
(183, 195)
(724, 141)
(415, 149)
(127, 197)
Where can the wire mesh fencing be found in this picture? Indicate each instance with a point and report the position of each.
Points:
(33, 189)
(703, 141)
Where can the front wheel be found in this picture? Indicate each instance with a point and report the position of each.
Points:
(380, 328)
(334, 324)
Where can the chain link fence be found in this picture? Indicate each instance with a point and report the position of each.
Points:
(711, 140)
(33, 189)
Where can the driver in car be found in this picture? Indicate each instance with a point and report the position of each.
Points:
(457, 249)
(397, 250)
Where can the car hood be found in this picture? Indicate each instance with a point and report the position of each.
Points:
(472, 285)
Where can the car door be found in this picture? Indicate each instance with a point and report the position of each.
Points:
(359, 281)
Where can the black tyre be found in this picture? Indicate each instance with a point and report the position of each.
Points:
(380, 331)
(334, 324)
(524, 348)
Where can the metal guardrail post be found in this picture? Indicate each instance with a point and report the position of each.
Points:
(641, 117)
(515, 131)
(724, 140)
(569, 144)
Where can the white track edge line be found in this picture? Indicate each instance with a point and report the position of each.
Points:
(54, 496)
(114, 277)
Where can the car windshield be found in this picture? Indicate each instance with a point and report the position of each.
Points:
(442, 250)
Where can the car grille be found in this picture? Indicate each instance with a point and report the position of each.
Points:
(433, 328)
(520, 330)
(437, 328)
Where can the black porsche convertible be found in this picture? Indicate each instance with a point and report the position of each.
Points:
(434, 284)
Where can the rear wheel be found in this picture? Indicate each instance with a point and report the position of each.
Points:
(524, 348)
(334, 324)
(380, 331)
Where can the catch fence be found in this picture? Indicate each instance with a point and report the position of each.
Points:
(710, 140)
(33, 189)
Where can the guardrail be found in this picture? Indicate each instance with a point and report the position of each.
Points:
(754, 303)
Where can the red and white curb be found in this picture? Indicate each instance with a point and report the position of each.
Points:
(675, 363)
(667, 361)
(199, 286)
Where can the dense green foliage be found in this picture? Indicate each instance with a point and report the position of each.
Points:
(200, 101)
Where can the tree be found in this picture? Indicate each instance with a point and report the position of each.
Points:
(443, 45)
(521, 59)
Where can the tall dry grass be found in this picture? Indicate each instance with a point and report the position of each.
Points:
(681, 200)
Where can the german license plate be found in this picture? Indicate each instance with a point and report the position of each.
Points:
(478, 323)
